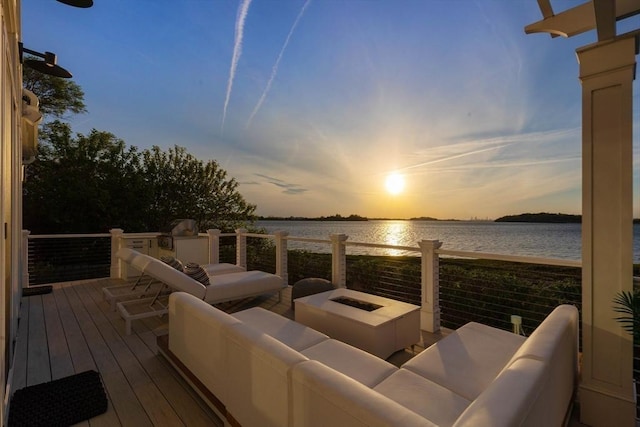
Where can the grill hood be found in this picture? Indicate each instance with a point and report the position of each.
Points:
(181, 228)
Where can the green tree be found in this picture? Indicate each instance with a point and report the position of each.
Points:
(184, 187)
(87, 183)
(57, 96)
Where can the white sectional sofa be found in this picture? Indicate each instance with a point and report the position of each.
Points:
(260, 369)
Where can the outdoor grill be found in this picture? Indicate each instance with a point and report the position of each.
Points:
(183, 228)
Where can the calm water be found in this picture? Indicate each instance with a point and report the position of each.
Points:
(525, 239)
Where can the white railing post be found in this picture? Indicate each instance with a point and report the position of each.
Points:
(241, 247)
(214, 246)
(116, 268)
(25, 258)
(430, 310)
(281, 255)
(339, 260)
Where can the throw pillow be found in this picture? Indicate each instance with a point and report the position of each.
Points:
(175, 263)
(197, 273)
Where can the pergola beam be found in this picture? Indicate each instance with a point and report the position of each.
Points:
(605, 14)
(582, 18)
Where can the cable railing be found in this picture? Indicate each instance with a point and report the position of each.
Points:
(486, 288)
(67, 257)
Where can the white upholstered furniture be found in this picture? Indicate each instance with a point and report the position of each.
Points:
(260, 369)
(391, 327)
(148, 287)
(221, 288)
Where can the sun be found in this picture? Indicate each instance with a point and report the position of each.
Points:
(394, 183)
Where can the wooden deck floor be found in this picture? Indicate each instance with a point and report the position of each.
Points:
(72, 330)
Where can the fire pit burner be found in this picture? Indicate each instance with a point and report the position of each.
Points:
(362, 305)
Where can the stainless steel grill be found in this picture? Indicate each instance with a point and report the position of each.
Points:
(177, 228)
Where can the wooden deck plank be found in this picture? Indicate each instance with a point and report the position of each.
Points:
(59, 355)
(80, 355)
(38, 369)
(178, 393)
(122, 397)
(153, 401)
(22, 341)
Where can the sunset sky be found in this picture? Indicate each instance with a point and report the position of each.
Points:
(312, 104)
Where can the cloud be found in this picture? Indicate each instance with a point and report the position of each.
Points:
(288, 187)
(274, 70)
(243, 10)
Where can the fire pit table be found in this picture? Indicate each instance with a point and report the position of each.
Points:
(378, 325)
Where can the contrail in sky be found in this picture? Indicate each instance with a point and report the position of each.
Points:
(274, 70)
(243, 10)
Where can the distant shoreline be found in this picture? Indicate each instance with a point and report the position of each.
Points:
(542, 217)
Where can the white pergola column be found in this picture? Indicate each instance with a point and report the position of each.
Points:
(606, 73)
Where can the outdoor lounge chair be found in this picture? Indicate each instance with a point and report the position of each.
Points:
(117, 293)
(221, 288)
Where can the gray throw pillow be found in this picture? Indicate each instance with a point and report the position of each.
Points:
(197, 273)
(175, 263)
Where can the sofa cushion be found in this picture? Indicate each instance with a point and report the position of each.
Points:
(324, 397)
(175, 263)
(351, 361)
(467, 360)
(197, 273)
(509, 399)
(434, 402)
(293, 334)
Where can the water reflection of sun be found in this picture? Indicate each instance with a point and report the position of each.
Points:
(395, 235)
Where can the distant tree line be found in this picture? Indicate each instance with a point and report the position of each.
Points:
(92, 183)
(336, 217)
(542, 217)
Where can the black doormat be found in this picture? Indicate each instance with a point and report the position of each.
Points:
(61, 402)
(36, 290)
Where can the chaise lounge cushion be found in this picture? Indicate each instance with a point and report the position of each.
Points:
(231, 286)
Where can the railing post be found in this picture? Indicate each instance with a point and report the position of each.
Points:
(430, 310)
(214, 246)
(281, 255)
(339, 260)
(116, 269)
(241, 247)
(25, 258)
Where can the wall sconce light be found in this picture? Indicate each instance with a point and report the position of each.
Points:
(48, 66)
(78, 3)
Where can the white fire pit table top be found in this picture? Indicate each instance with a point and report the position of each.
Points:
(393, 326)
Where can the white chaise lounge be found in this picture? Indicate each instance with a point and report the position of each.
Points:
(150, 287)
(222, 287)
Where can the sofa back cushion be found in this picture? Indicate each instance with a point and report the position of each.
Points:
(510, 399)
(196, 338)
(259, 366)
(555, 344)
